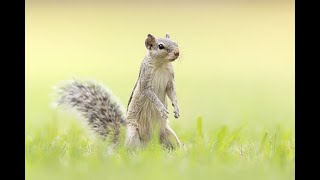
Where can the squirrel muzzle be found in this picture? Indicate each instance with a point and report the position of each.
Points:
(174, 54)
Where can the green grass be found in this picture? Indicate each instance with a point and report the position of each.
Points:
(235, 87)
(221, 153)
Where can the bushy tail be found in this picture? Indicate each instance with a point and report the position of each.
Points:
(95, 104)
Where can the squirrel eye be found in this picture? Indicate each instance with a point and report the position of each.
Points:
(161, 46)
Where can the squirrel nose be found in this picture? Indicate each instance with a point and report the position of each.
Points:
(176, 53)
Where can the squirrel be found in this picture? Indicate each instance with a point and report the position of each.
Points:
(147, 106)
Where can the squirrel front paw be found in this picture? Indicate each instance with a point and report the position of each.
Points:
(176, 112)
(164, 113)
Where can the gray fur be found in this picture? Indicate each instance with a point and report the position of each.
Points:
(147, 106)
(147, 109)
(95, 104)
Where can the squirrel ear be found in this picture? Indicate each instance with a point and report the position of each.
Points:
(168, 36)
(150, 41)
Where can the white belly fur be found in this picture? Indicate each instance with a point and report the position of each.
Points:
(159, 83)
(149, 115)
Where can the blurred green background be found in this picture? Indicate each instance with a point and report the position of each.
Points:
(236, 66)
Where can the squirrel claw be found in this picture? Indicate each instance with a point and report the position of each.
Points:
(164, 113)
(176, 112)
(176, 115)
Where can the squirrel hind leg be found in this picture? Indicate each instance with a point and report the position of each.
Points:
(172, 133)
(166, 138)
(133, 139)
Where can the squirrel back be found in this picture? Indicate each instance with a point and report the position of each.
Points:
(95, 104)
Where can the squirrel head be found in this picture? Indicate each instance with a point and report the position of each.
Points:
(162, 49)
